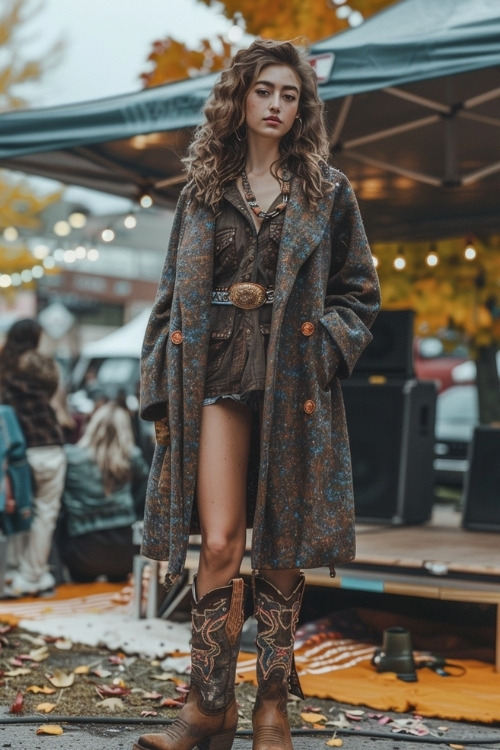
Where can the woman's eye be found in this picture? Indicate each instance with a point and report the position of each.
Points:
(289, 97)
(262, 92)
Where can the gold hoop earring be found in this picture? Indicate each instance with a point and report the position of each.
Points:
(299, 120)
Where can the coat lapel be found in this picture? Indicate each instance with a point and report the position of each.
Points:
(302, 232)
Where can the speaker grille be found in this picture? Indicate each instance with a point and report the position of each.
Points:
(391, 350)
(391, 435)
(482, 482)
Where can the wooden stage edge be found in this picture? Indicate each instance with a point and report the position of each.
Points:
(436, 560)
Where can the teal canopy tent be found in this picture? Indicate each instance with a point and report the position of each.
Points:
(412, 99)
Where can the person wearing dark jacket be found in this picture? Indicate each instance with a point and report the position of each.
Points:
(28, 381)
(98, 510)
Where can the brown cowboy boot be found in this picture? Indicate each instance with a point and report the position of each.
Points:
(277, 617)
(209, 717)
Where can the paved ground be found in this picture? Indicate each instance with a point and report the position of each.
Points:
(121, 736)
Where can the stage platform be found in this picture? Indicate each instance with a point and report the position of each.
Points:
(436, 560)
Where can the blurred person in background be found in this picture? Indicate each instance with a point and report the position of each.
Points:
(16, 489)
(72, 423)
(28, 381)
(94, 537)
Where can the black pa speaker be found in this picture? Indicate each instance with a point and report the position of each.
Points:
(391, 435)
(390, 353)
(482, 481)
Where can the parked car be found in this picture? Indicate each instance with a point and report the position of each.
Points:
(457, 415)
(447, 368)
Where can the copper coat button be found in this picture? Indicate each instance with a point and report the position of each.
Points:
(176, 337)
(309, 406)
(307, 328)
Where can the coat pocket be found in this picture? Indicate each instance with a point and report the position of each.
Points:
(329, 358)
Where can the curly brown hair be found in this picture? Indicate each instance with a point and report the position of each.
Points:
(217, 153)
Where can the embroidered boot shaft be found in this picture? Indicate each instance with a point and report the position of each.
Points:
(277, 617)
(209, 718)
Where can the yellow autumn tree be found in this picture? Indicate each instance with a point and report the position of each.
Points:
(455, 296)
(20, 206)
(286, 19)
(172, 60)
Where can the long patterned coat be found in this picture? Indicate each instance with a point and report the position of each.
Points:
(326, 298)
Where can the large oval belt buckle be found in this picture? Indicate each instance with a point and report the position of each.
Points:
(247, 295)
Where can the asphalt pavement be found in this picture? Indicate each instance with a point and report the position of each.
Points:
(118, 735)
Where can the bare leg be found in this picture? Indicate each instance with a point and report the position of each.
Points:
(221, 492)
(284, 580)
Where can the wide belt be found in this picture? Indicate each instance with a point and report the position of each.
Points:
(243, 294)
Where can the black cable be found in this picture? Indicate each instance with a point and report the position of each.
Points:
(149, 721)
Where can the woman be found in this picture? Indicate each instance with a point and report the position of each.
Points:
(28, 381)
(258, 315)
(98, 503)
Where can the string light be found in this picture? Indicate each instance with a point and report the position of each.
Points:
(107, 235)
(470, 251)
(77, 219)
(400, 261)
(130, 221)
(47, 259)
(145, 200)
(62, 228)
(10, 234)
(41, 251)
(26, 275)
(80, 252)
(69, 256)
(432, 258)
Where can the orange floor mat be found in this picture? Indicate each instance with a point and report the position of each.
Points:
(340, 669)
(67, 599)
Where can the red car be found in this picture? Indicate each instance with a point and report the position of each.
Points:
(431, 362)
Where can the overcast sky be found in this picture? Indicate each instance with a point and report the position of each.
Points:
(107, 42)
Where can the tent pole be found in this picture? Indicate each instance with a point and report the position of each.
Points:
(408, 96)
(340, 122)
(397, 130)
(417, 176)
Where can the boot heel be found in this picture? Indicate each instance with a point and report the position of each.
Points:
(221, 741)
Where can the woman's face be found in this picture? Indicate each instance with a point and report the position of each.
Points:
(272, 104)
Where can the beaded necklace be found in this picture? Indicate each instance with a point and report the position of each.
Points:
(252, 202)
